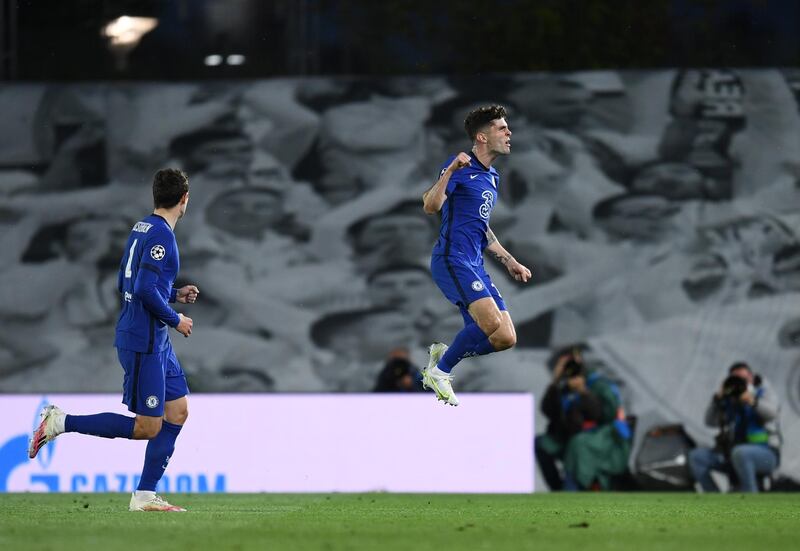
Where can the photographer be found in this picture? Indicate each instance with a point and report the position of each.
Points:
(745, 409)
(569, 408)
(398, 374)
(581, 407)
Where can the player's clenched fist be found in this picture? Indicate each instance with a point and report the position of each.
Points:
(187, 294)
(460, 161)
(184, 326)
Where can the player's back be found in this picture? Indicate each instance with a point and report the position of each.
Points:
(471, 196)
(151, 247)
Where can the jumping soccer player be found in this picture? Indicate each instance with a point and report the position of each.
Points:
(466, 192)
(154, 387)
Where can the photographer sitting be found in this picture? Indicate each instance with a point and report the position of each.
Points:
(570, 408)
(748, 444)
(582, 409)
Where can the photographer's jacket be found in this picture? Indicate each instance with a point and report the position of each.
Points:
(757, 424)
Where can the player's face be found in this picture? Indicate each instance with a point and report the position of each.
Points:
(498, 137)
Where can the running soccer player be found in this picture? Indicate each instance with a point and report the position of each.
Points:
(466, 192)
(154, 386)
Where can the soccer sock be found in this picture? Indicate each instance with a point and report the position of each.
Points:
(106, 425)
(156, 458)
(470, 341)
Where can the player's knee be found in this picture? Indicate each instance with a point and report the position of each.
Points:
(490, 325)
(147, 429)
(178, 417)
(152, 432)
(505, 340)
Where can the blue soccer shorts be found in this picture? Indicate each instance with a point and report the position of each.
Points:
(151, 380)
(463, 283)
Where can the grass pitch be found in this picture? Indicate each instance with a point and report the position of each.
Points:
(594, 521)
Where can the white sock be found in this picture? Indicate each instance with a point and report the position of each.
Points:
(438, 372)
(58, 422)
(144, 495)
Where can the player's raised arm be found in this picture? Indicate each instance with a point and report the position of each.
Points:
(515, 269)
(434, 198)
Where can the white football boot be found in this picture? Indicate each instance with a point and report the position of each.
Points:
(436, 379)
(52, 425)
(152, 502)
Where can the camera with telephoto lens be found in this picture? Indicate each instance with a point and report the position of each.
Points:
(734, 387)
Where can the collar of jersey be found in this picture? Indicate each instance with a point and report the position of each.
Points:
(154, 215)
(480, 164)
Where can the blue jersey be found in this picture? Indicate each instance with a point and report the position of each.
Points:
(146, 276)
(471, 196)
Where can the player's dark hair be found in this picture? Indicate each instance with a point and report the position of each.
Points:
(169, 186)
(478, 118)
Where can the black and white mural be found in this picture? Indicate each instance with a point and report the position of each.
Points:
(658, 210)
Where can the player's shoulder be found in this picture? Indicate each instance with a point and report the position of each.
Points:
(154, 228)
(144, 226)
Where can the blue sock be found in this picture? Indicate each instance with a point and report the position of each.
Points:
(470, 341)
(107, 425)
(156, 458)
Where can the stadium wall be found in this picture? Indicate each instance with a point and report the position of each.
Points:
(288, 443)
(658, 209)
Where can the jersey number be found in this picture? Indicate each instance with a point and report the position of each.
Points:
(486, 207)
(128, 272)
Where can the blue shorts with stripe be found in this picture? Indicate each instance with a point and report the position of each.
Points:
(151, 380)
(463, 283)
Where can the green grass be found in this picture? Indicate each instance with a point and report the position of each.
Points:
(583, 522)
